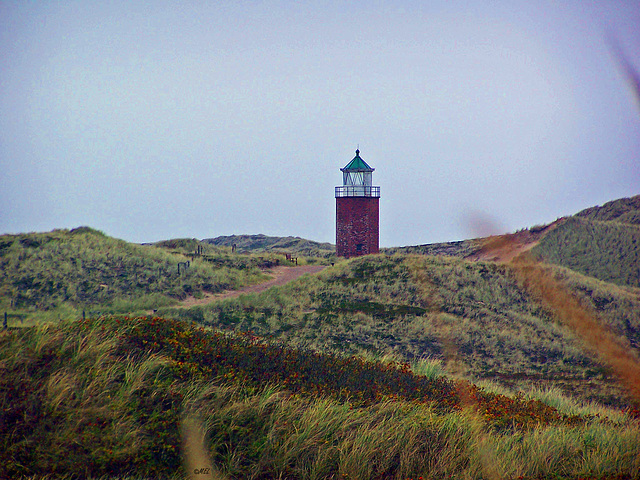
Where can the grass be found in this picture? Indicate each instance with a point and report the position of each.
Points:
(477, 318)
(117, 398)
(570, 406)
(46, 275)
(387, 366)
(623, 210)
(462, 248)
(263, 243)
(605, 250)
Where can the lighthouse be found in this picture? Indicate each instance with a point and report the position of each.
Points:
(357, 210)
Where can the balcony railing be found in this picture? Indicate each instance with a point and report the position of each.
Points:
(357, 191)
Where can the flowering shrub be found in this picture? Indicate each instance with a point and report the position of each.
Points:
(244, 358)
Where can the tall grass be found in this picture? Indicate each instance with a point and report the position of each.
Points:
(320, 438)
(417, 306)
(428, 367)
(80, 399)
(613, 350)
(65, 397)
(83, 269)
(571, 406)
(605, 250)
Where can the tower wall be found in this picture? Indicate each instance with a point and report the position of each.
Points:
(357, 226)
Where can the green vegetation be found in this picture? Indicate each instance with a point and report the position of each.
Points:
(116, 397)
(623, 210)
(264, 243)
(57, 274)
(608, 251)
(417, 362)
(602, 242)
(463, 248)
(473, 316)
(221, 256)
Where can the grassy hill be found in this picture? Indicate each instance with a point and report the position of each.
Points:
(429, 361)
(146, 397)
(606, 250)
(624, 210)
(602, 242)
(65, 271)
(263, 243)
(462, 248)
(476, 318)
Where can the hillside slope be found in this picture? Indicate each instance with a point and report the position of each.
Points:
(83, 268)
(462, 248)
(606, 250)
(119, 397)
(602, 242)
(111, 394)
(623, 210)
(264, 243)
(475, 317)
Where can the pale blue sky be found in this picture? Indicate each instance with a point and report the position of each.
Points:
(157, 120)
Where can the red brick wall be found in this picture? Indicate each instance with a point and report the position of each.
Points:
(357, 224)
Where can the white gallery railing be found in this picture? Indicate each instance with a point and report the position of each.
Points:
(357, 191)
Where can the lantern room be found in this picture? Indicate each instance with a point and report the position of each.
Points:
(357, 179)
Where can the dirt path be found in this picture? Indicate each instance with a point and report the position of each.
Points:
(504, 248)
(281, 275)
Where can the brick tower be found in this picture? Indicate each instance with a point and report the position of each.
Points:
(357, 211)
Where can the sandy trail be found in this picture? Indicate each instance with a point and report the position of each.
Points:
(281, 275)
(504, 248)
(503, 251)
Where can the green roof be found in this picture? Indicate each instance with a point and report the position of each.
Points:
(357, 165)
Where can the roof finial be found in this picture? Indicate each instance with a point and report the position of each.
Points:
(358, 150)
